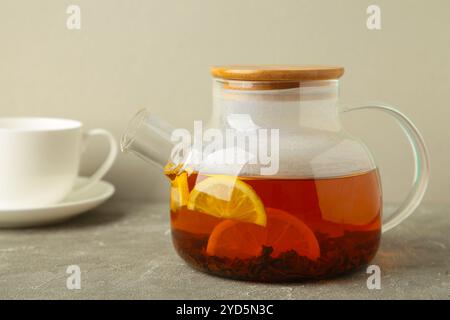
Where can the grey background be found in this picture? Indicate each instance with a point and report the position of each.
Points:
(157, 54)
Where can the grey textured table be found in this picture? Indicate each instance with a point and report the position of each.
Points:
(124, 251)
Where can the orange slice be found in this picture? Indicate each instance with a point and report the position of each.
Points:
(283, 232)
(227, 197)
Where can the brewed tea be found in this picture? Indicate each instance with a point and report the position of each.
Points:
(305, 228)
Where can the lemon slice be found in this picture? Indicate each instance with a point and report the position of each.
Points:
(179, 192)
(228, 198)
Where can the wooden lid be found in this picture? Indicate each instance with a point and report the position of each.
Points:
(277, 72)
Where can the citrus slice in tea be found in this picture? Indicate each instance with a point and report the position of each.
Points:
(283, 233)
(179, 191)
(228, 198)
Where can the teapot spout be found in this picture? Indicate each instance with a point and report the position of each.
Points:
(148, 137)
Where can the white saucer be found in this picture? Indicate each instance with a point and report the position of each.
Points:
(74, 204)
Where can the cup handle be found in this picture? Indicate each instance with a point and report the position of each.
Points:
(421, 166)
(106, 165)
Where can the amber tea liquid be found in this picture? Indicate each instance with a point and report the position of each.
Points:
(337, 222)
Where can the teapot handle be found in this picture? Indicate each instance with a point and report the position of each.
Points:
(421, 166)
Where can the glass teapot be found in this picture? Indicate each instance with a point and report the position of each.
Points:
(273, 188)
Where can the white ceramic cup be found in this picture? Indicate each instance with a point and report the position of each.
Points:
(40, 157)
